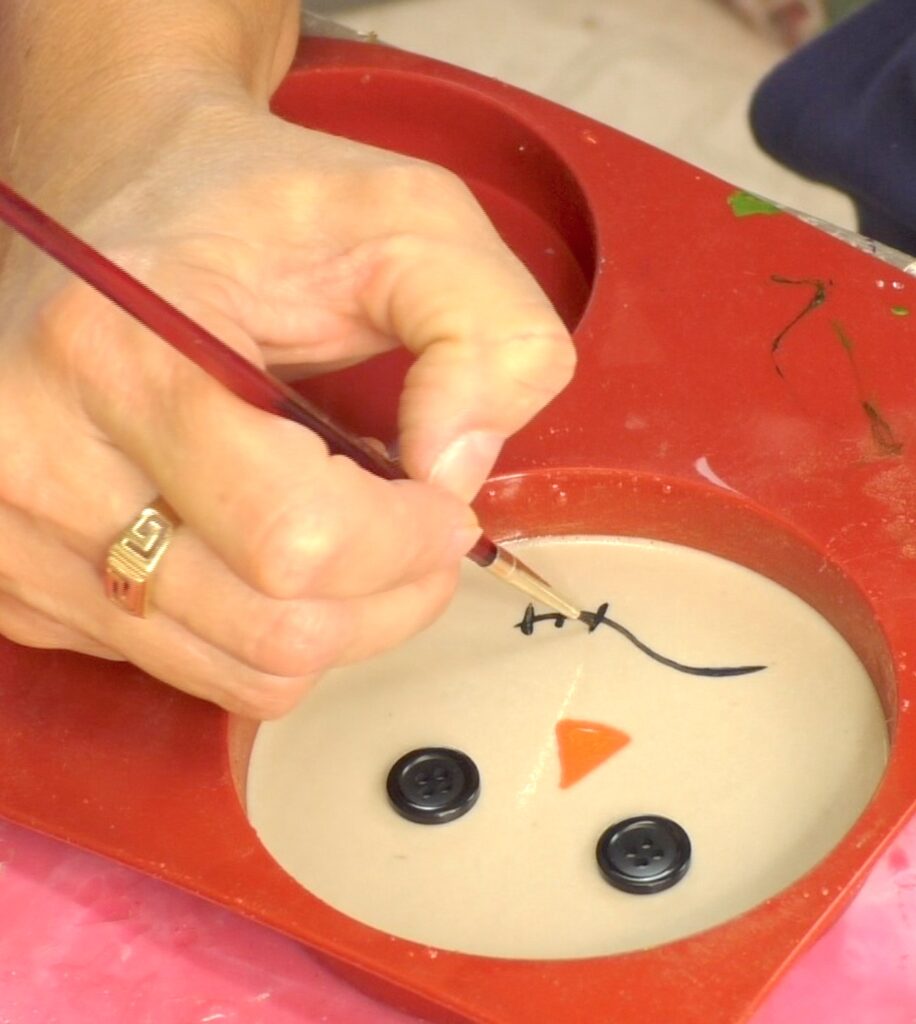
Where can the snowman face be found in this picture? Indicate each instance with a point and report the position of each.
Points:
(703, 746)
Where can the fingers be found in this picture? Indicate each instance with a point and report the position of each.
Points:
(276, 650)
(259, 491)
(427, 269)
(66, 590)
(289, 637)
(288, 560)
(416, 262)
(492, 352)
(206, 633)
(282, 514)
(23, 625)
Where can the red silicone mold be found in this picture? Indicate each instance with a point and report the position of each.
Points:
(746, 386)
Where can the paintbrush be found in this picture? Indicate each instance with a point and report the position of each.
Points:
(241, 377)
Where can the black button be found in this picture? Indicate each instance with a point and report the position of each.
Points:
(433, 785)
(643, 855)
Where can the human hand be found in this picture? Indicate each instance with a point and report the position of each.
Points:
(303, 252)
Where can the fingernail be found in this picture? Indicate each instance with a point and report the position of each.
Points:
(464, 465)
(465, 538)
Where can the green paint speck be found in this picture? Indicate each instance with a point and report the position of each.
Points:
(746, 204)
(900, 311)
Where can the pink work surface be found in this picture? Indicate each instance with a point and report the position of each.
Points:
(86, 941)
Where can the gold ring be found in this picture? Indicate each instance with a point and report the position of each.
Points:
(132, 559)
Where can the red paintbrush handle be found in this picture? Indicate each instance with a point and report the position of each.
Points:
(213, 356)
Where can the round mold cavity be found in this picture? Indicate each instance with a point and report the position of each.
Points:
(767, 768)
(527, 188)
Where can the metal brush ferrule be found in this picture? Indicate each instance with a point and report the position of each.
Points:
(510, 569)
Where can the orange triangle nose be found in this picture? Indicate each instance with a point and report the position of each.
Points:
(583, 746)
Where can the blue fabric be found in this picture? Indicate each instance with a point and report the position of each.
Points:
(842, 110)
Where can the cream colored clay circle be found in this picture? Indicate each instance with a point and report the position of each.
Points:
(766, 771)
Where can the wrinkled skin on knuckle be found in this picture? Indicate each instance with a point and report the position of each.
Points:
(42, 442)
(440, 380)
(414, 181)
(295, 640)
(290, 549)
(268, 698)
(539, 364)
(66, 328)
(23, 464)
(503, 380)
(82, 343)
(412, 197)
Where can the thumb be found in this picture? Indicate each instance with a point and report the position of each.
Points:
(491, 352)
